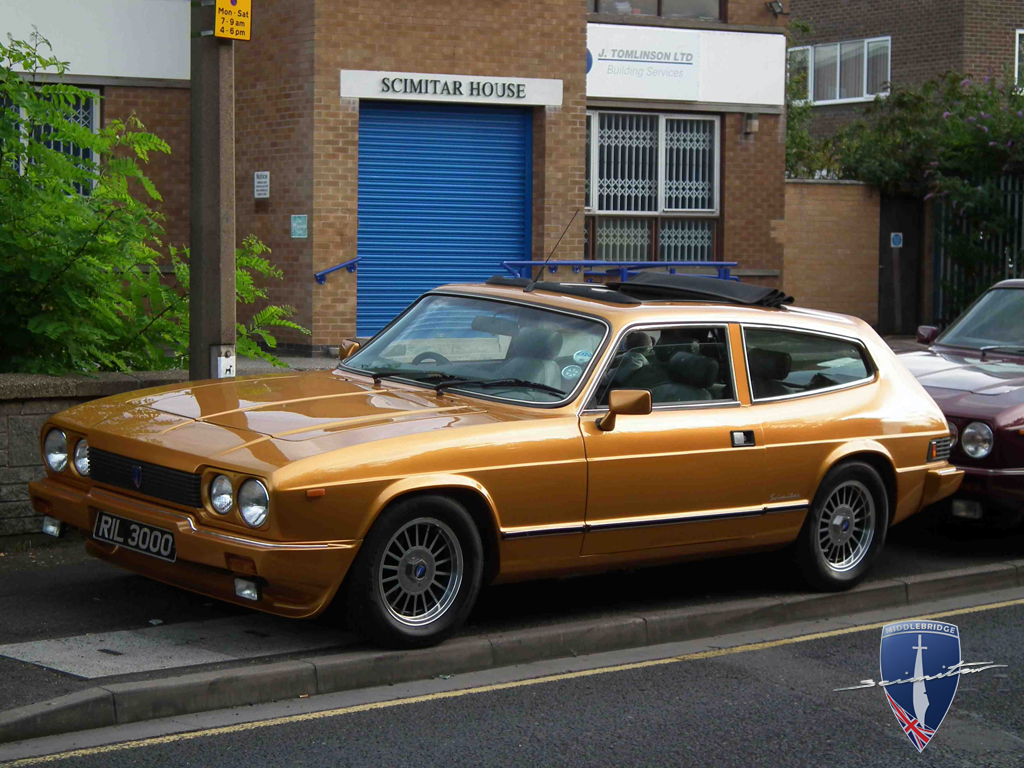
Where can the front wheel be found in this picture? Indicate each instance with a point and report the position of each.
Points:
(417, 574)
(845, 529)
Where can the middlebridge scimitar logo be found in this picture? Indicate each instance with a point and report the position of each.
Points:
(921, 668)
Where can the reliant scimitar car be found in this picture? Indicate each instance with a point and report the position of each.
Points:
(512, 430)
(975, 372)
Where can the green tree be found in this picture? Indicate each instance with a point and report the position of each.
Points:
(83, 289)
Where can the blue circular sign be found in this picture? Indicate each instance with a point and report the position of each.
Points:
(590, 61)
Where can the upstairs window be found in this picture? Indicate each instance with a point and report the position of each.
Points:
(669, 9)
(857, 70)
(1019, 62)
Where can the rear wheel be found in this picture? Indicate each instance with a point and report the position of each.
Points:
(845, 529)
(417, 574)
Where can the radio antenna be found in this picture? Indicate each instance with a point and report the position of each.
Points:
(529, 288)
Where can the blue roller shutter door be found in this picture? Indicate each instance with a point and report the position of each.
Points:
(444, 197)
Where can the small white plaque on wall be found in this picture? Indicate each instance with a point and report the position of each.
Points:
(261, 185)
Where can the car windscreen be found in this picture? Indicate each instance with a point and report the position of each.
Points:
(503, 350)
(996, 319)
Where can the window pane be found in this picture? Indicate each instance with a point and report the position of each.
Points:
(690, 9)
(644, 7)
(627, 162)
(591, 6)
(687, 240)
(825, 70)
(1020, 55)
(787, 362)
(799, 71)
(623, 240)
(689, 165)
(878, 67)
(676, 365)
(851, 70)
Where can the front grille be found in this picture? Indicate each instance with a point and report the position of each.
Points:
(938, 450)
(159, 482)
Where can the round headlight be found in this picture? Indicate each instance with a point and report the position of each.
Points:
(55, 450)
(253, 502)
(82, 458)
(221, 497)
(977, 440)
(954, 435)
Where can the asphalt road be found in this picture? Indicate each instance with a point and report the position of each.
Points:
(60, 593)
(768, 703)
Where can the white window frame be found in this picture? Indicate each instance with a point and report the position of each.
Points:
(1016, 55)
(590, 206)
(838, 46)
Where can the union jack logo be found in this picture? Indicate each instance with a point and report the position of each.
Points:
(917, 732)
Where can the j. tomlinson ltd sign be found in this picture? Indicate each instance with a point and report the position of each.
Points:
(474, 89)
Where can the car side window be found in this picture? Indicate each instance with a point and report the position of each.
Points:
(783, 362)
(677, 365)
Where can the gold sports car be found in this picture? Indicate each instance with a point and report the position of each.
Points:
(507, 431)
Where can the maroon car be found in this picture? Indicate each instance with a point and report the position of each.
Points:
(975, 372)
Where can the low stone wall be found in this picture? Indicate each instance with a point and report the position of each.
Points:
(26, 402)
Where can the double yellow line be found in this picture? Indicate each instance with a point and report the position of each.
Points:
(488, 688)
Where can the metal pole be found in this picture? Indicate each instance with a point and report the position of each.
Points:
(212, 230)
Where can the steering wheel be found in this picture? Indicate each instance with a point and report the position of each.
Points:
(435, 357)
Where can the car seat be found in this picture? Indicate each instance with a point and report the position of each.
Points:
(531, 357)
(768, 369)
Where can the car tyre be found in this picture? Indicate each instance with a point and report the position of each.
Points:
(845, 528)
(417, 574)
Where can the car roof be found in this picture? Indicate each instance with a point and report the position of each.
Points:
(648, 311)
(1009, 284)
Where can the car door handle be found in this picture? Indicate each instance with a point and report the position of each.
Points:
(743, 438)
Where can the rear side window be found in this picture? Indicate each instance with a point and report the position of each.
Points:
(784, 363)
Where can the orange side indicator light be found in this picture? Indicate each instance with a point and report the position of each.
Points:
(316, 493)
(238, 564)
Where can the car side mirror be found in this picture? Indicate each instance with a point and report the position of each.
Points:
(926, 334)
(347, 348)
(625, 402)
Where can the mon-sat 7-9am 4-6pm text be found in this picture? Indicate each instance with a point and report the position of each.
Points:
(506, 431)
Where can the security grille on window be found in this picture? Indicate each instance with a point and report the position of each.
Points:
(856, 70)
(652, 186)
(84, 112)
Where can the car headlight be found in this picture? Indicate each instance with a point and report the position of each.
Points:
(221, 494)
(55, 450)
(82, 458)
(977, 440)
(954, 435)
(253, 502)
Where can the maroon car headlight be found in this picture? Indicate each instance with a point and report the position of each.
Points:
(977, 440)
(954, 435)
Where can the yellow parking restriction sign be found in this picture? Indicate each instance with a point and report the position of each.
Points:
(234, 19)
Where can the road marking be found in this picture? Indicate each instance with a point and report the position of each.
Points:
(175, 645)
(309, 716)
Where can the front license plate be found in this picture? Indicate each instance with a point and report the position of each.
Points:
(138, 537)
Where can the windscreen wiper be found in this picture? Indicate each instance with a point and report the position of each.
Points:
(1001, 348)
(493, 383)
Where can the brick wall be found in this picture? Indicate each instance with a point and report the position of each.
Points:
(831, 252)
(752, 12)
(539, 38)
(26, 402)
(753, 195)
(165, 112)
(928, 39)
(274, 132)
(990, 36)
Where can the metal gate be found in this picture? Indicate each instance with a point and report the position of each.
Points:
(444, 197)
(956, 283)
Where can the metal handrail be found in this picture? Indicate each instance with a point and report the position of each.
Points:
(350, 265)
(624, 268)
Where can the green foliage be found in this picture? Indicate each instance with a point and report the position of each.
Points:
(83, 289)
(65, 256)
(250, 266)
(954, 139)
(806, 156)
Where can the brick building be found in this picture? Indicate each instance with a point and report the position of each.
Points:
(432, 139)
(855, 48)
